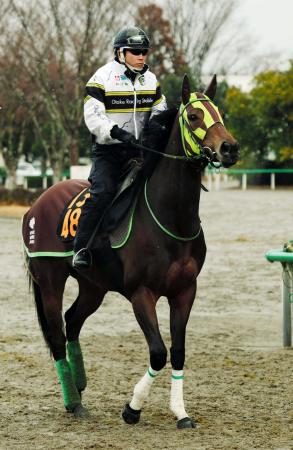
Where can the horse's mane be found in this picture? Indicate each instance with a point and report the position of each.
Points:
(156, 133)
(155, 136)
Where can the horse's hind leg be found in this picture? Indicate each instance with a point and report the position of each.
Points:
(88, 301)
(49, 278)
(144, 307)
(180, 307)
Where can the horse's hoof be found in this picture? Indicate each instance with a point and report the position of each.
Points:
(80, 412)
(187, 422)
(130, 416)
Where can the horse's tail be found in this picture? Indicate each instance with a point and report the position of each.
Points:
(38, 301)
(40, 311)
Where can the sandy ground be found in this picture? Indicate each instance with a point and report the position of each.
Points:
(238, 383)
(15, 211)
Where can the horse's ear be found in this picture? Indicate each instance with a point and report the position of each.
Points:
(185, 90)
(211, 90)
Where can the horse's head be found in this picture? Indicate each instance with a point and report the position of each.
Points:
(202, 128)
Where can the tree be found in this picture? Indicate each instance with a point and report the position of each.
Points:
(15, 124)
(273, 102)
(200, 27)
(12, 138)
(57, 46)
(241, 119)
(166, 56)
(262, 119)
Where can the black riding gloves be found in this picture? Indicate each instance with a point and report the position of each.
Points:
(122, 135)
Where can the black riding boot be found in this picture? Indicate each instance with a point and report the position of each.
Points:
(91, 214)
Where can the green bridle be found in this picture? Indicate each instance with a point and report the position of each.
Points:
(192, 139)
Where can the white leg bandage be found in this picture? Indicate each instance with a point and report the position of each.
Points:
(142, 389)
(176, 400)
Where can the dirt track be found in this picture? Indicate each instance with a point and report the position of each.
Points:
(238, 383)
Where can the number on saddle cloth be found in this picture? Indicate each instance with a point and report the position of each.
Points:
(67, 226)
(68, 223)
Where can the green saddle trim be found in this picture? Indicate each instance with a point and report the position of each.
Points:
(129, 229)
(71, 252)
(55, 254)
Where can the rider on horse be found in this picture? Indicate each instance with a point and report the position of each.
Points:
(120, 98)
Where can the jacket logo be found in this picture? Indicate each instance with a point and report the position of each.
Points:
(120, 77)
(141, 80)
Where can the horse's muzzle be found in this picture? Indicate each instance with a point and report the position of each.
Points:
(229, 153)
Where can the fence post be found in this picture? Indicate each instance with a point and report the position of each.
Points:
(273, 181)
(244, 181)
(44, 181)
(287, 301)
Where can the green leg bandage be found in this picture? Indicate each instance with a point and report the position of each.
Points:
(76, 365)
(70, 394)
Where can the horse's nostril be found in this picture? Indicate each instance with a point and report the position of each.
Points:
(237, 147)
(225, 148)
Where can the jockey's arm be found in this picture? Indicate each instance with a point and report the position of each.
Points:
(96, 119)
(160, 103)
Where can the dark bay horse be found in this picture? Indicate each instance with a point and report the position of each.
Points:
(162, 257)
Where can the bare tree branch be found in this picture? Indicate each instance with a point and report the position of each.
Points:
(197, 26)
(55, 47)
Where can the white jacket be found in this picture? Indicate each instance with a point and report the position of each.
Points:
(113, 99)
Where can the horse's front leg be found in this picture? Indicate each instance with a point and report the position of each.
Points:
(144, 307)
(180, 307)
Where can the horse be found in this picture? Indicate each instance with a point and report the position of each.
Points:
(163, 256)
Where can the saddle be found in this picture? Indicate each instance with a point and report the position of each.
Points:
(113, 215)
(49, 227)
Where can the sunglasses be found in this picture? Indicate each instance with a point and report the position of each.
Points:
(138, 51)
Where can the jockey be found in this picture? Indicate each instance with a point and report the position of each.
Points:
(120, 98)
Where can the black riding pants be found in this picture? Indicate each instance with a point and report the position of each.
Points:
(107, 167)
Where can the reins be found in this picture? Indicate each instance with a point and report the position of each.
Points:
(204, 156)
(207, 155)
(166, 155)
(164, 229)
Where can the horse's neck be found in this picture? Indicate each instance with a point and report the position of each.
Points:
(174, 190)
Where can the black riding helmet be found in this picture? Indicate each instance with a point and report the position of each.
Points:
(131, 37)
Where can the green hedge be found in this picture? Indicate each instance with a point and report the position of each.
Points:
(19, 196)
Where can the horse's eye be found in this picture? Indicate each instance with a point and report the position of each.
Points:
(192, 117)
